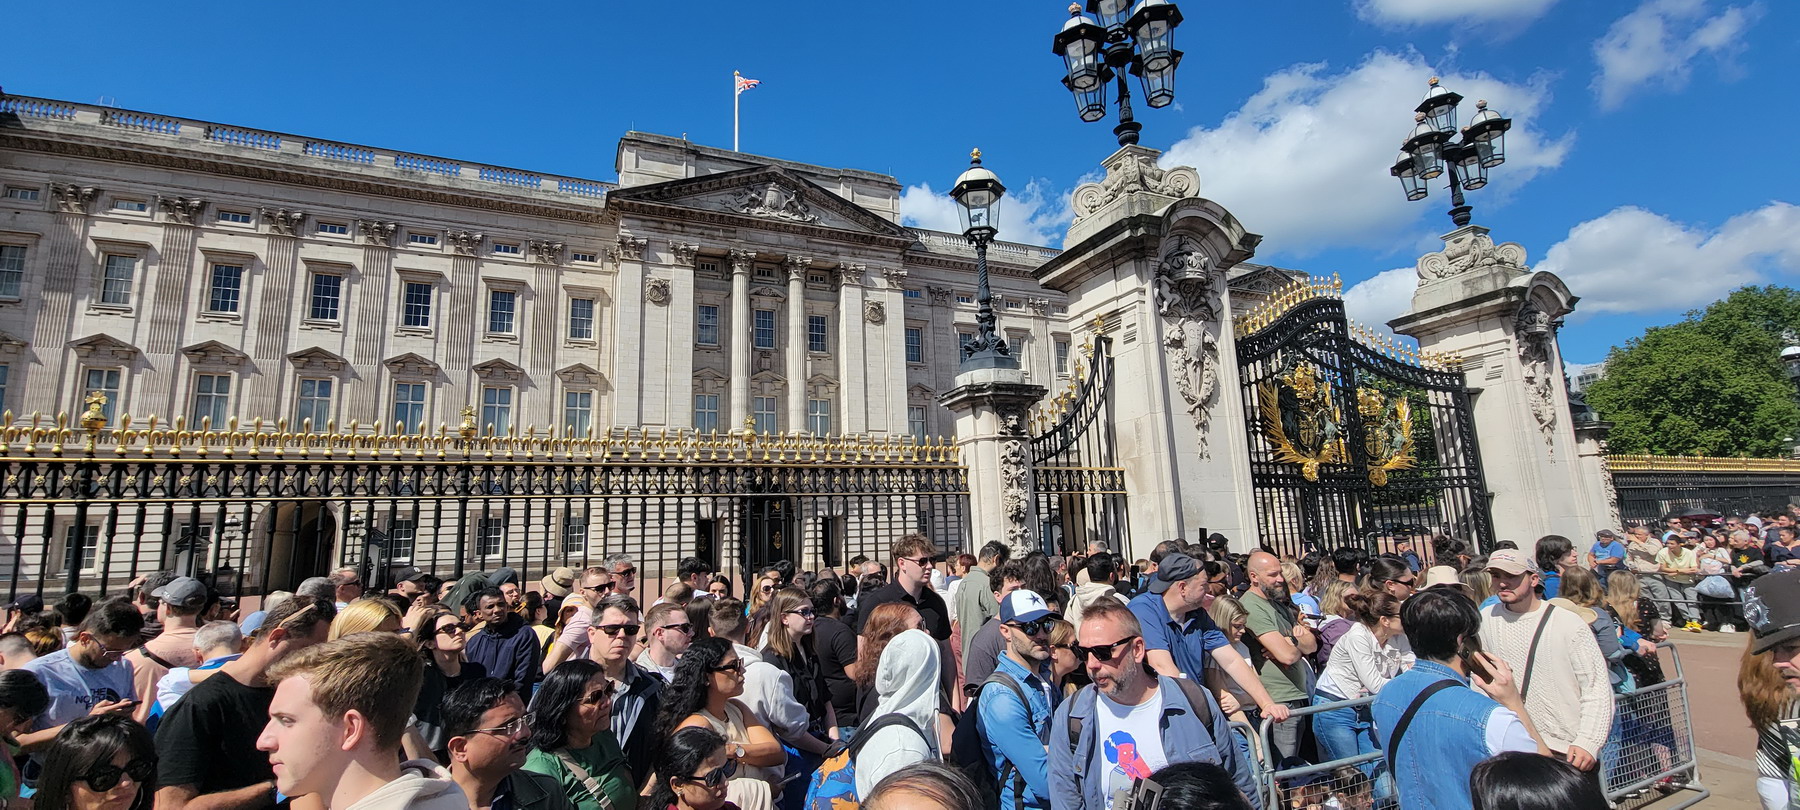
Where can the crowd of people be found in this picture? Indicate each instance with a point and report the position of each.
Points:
(955, 680)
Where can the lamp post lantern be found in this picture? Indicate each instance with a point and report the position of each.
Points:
(1121, 38)
(1430, 151)
(977, 194)
(1790, 359)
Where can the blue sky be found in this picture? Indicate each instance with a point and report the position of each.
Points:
(1652, 156)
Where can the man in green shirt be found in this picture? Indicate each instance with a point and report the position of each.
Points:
(975, 602)
(1278, 645)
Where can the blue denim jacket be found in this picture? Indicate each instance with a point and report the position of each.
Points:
(1016, 733)
(1184, 739)
(1447, 737)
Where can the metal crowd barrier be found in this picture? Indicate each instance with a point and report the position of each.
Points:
(1649, 757)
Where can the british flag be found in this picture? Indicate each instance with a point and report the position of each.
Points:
(746, 84)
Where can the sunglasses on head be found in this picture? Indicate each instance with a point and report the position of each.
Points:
(714, 778)
(615, 629)
(1101, 652)
(1036, 627)
(105, 776)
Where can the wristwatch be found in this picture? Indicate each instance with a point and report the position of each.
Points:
(737, 751)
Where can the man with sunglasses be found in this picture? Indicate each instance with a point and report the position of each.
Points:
(90, 676)
(1016, 702)
(593, 585)
(637, 694)
(669, 633)
(913, 556)
(490, 738)
(1131, 722)
(624, 573)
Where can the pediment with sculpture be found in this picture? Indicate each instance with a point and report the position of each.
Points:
(768, 195)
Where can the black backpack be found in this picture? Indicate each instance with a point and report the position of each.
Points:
(969, 750)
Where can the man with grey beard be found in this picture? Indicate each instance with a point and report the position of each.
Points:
(1278, 645)
(1131, 722)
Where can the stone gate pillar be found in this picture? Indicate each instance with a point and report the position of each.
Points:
(1148, 259)
(991, 407)
(1479, 300)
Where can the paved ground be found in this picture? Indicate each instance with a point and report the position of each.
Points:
(1727, 744)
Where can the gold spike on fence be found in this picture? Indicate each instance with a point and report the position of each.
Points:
(92, 433)
(1283, 299)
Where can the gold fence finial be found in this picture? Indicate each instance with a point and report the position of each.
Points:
(1099, 325)
(468, 427)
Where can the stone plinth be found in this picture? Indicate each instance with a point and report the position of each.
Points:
(1479, 300)
(990, 406)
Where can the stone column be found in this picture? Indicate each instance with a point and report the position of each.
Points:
(55, 305)
(991, 408)
(796, 343)
(633, 288)
(1479, 300)
(376, 313)
(886, 355)
(852, 338)
(740, 335)
(1596, 472)
(166, 303)
(285, 291)
(547, 324)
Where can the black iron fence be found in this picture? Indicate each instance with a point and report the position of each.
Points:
(255, 510)
(1076, 476)
(1652, 487)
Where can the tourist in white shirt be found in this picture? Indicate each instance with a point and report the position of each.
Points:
(1370, 654)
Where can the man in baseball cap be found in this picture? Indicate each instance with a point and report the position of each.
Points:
(1017, 701)
(179, 603)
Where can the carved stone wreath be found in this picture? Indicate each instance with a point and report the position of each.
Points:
(1186, 293)
(1134, 171)
(657, 291)
(875, 312)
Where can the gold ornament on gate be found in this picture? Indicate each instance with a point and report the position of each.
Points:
(1387, 433)
(1302, 423)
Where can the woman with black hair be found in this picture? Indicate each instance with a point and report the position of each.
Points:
(98, 762)
(1554, 552)
(708, 679)
(441, 636)
(698, 770)
(572, 739)
(1519, 781)
(1390, 576)
(22, 698)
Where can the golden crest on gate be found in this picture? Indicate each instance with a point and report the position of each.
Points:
(1387, 433)
(1302, 422)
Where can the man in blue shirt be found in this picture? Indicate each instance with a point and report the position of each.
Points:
(1015, 722)
(1178, 633)
(1607, 555)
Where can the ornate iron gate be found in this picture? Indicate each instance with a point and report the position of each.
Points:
(1353, 438)
(1079, 485)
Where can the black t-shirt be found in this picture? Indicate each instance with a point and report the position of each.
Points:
(931, 607)
(835, 644)
(808, 680)
(429, 710)
(208, 741)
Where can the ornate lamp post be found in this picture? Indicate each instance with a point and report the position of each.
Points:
(977, 194)
(1137, 39)
(1790, 358)
(1429, 150)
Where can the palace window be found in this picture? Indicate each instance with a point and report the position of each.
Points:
(574, 536)
(212, 400)
(915, 344)
(1062, 357)
(581, 319)
(763, 335)
(21, 193)
(501, 304)
(763, 410)
(818, 417)
(314, 403)
(5, 373)
(578, 256)
(327, 293)
(490, 537)
(706, 413)
(915, 422)
(416, 309)
(915, 293)
(816, 334)
(706, 325)
(116, 279)
(334, 228)
(81, 543)
(104, 380)
(507, 248)
(496, 408)
(402, 534)
(138, 206)
(578, 412)
(12, 270)
(421, 238)
(409, 406)
(965, 299)
(963, 339)
(225, 288)
(235, 217)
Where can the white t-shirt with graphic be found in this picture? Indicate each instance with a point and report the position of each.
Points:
(1128, 742)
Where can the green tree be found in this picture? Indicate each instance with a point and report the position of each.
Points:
(1710, 384)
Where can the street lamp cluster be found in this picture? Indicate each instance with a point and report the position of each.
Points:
(1430, 150)
(1126, 38)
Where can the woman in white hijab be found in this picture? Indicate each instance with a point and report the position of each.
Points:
(905, 684)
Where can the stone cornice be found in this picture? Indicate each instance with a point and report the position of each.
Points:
(248, 169)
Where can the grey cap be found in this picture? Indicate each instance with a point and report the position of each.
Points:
(1173, 568)
(182, 592)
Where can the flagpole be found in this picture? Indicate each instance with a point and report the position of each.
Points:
(735, 95)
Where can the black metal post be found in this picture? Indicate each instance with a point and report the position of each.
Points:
(1459, 211)
(988, 349)
(1128, 127)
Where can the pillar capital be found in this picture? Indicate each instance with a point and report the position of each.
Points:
(740, 261)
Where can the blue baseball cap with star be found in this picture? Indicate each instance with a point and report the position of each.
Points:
(1023, 606)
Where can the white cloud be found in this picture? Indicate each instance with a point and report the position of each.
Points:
(1632, 260)
(1425, 12)
(1659, 42)
(1382, 297)
(1305, 160)
(1036, 213)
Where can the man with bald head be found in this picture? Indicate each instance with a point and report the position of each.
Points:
(1278, 644)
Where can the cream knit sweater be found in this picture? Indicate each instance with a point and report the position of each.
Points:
(1571, 697)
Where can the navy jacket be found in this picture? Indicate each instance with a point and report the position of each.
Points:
(508, 651)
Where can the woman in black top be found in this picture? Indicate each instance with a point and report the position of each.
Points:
(441, 639)
(790, 649)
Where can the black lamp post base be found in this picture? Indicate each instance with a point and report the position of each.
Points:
(1460, 215)
(986, 360)
(1128, 132)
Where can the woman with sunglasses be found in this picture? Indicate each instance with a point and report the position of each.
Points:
(699, 770)
(790, 648)
(22, 697)
(760, 596)
(441, 639)
(572, 739)
(99, 762)
(1065, 665)
(708, 680)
